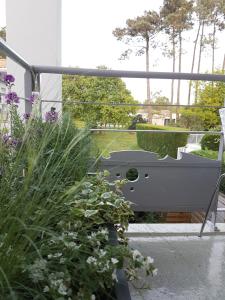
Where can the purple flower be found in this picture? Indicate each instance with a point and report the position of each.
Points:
(33, 97)
(11, 98)
(10, 141)
(5, 138)
(51, 116)
(8, 78)
(26, 116)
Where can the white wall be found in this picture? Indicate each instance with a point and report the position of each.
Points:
(34, 31)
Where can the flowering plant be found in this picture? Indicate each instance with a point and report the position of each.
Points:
(78, 262)
(55, 220)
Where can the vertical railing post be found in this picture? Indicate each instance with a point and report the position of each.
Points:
(220, 158)
(28, 88)
(37, 88)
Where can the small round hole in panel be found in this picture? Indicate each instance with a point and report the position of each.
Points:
(118, 175)
(132, 174)
(132, 189)
(146, 175)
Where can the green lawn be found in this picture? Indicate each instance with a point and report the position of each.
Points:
(115, 141)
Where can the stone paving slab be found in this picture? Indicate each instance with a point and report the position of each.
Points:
(148, 230)
(189, 268)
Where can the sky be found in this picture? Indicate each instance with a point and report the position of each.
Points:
(87, 41)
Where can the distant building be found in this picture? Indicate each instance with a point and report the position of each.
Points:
(163, 118)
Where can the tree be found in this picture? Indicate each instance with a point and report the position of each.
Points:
(141, 32)
(98, 89)
(161, 100)
(202, 10)
(176, 17)
(205, 118)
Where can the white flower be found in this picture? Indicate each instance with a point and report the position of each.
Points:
(62, 260)
(93, 297)
(149, 260)
(62, 289)
(136, 254)
(56, 255)
(102, 253)
(91, 260)
(155, 272)
(114, 260)
(46, 289)
(72, 235)
(71, 245)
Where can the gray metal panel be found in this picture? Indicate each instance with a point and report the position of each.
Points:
(184, 185)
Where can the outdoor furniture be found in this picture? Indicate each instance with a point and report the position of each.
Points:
(188, 184)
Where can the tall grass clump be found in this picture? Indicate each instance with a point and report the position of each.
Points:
(54, 237)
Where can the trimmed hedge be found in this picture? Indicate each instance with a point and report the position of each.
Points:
(210, 142)
(161, 143)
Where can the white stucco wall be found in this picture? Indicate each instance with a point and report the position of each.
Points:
(34, 31)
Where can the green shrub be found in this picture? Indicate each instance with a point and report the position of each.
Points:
(161, 143)
(213, 155)
(210, 142)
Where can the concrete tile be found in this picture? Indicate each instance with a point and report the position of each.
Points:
(189, 268)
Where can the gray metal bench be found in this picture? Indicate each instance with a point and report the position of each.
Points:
(166, 185)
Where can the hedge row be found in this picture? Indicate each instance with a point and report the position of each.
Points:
(161, 143)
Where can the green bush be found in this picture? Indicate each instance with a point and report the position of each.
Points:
(210, 142)
(161, 143)
(213, 155)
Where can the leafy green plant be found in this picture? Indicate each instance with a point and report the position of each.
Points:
(54, 238)
(210, 142)
(213, 155)
(163, 144)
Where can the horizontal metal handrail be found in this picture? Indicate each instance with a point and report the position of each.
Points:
(132, 104)
(127, 74)
(156, 131)
(5, 49)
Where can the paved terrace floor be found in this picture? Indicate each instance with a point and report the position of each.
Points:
(189, 267)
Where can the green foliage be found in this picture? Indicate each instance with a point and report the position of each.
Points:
(163, 144)
(176, 16)
(54, 237)
(136, 120)
(213, 155)
(97, 89)
(210, 142)
(205, 118)
(140, 30)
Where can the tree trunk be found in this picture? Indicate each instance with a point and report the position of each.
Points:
(174, 69)
(179, 82)
(199, 60)
(148, 82)
(193, 61)
(223, 66)
(213, 47)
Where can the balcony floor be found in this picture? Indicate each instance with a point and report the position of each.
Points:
(189, 268)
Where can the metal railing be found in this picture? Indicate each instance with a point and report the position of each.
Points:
(33, 73)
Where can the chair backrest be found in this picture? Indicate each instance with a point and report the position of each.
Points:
(178, 185)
